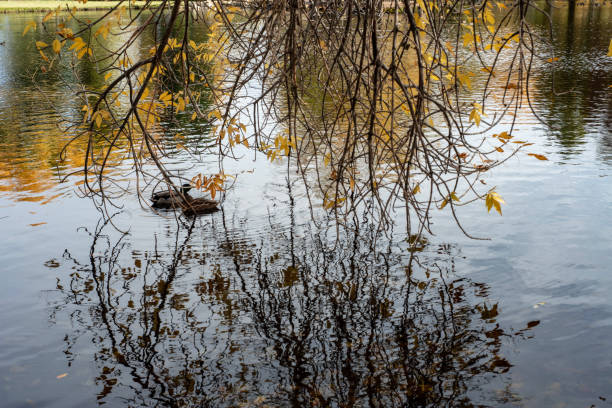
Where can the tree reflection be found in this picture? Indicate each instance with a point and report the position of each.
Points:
(287, 317)
(579, 102)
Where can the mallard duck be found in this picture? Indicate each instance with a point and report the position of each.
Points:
(200, 205)
(170, 198)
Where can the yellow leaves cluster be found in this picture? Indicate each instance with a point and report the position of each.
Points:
(80, 47)
(103, 30)
(329, 203)
(234, 130)
(452, 196)
(493, 199)
(476, 113)
(281, 147)
(211, 184)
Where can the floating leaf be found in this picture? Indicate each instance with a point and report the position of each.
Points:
(533, 323)
(538, 156)
(59, 377)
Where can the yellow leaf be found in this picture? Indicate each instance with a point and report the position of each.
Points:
(31, 24)
(503, 135)
(493, 199)
(468, 38)
(488, 16)
(475, 116)
(552, 59)
(538, 156)
(416, 189)
(43, 56)
(454, 197)
(444, 203)
(108, 75)
(59, 377)
(98, 119)
(81, 53)
(41, 44)
(57, 46)
(47, 16)
(327, 159)
(610, 49)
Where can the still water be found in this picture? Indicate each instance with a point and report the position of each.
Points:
(254, 305)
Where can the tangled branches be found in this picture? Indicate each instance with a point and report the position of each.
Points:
(375, 104)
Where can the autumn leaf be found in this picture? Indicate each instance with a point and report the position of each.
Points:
(30, 25)
(493, 199)
(610, 49)
(538, 156)
(57, 46)
(475, 114)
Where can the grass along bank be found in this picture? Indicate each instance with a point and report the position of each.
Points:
(46, 5)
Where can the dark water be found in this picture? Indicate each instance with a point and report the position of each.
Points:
(255, 305)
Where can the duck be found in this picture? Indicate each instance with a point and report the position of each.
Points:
(170, 198)
(200, 205)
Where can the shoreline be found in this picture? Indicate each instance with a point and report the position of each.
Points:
(49, 5)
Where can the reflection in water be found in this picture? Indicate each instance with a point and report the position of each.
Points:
(581, 103)
(284, 318)
(38, 113)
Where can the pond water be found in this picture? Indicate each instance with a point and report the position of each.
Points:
(254, 305)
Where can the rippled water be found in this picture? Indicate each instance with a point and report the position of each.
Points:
(255, 305)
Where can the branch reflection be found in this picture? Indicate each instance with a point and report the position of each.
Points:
(216, 316)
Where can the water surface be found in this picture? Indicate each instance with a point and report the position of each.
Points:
(256, 305)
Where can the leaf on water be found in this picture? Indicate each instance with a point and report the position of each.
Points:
(503, 135)
(533, 323)
(538, 156)
(539, 304)
(552, 59)
(37, 224)
(610, 50)
(59, 377)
